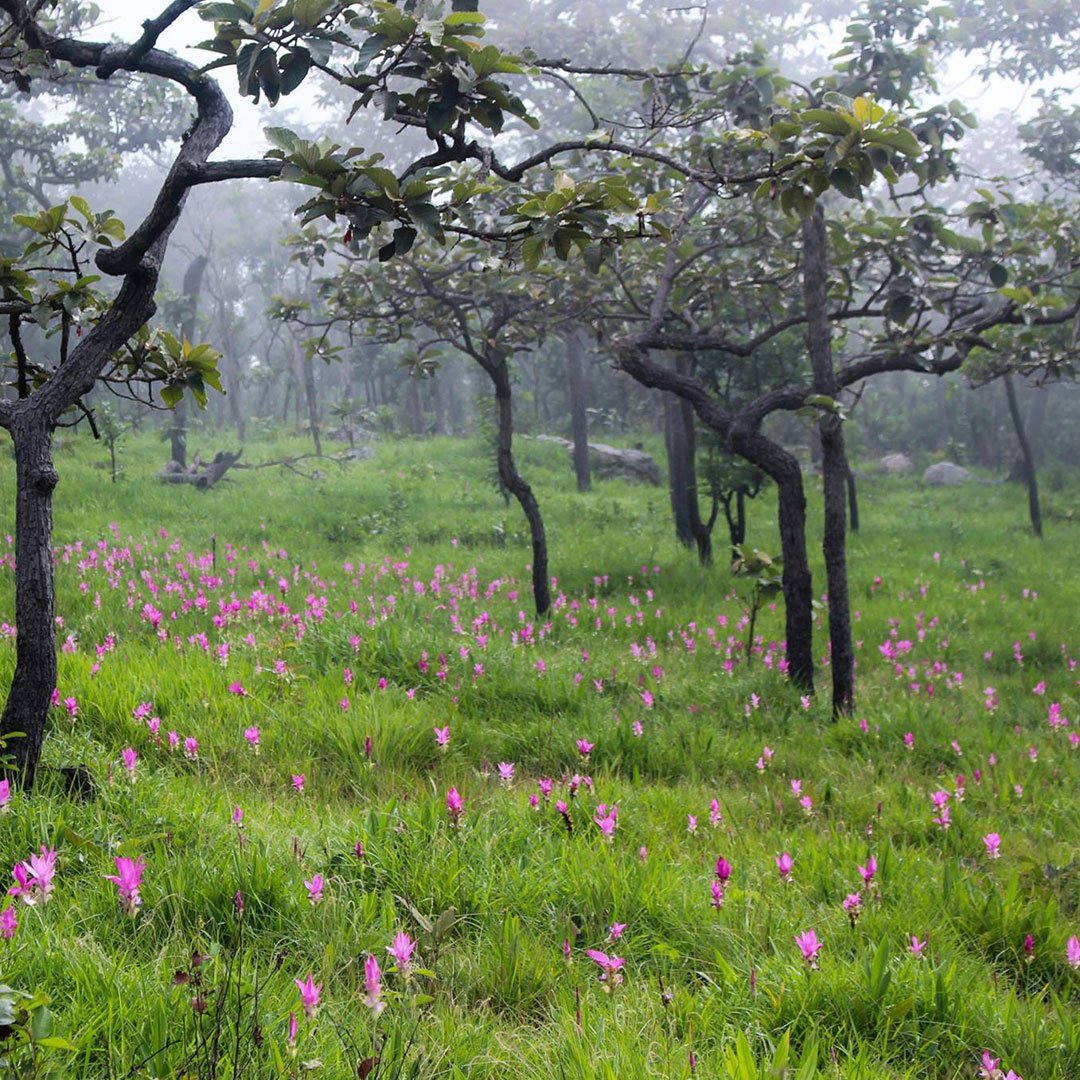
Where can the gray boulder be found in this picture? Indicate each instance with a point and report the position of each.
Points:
(946, 474)
(609, 462)
(896, 464)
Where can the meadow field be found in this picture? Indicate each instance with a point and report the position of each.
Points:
(375, 819)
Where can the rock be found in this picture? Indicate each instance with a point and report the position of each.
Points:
(896, 464)
(356, 453)
(946, 474)
(558, 440)
(608, 462)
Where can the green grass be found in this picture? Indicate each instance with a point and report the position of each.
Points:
(492, 901)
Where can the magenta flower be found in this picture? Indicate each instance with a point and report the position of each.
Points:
(8, 923)
(717, 893)
(616, 931)
(130, 759)
(191, 748)
(5, 795)
(610, 966)
(584, 747)
(716, 818)
(315, 889)
(784, 863)
(852, 904)
(723, 870)
(252, 736)
(1072, 952)
(298, 782)
(237, 689)
(309, 995)
(455, 806)
(401, 949)
(868, 871)
(238, 817)
(809, 946)
(127, 879)
(34, 878)
(606, 820)
(506, 772)
(442, 736)
(373, 985)
(993, 844)
(916, 947)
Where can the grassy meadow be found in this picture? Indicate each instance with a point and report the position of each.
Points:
(284, 656)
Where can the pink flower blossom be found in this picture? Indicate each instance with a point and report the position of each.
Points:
(610, 966)
(868, 871)
(401, 949)
(916, 947)
(455, 806)
(191, 748)
(1072, 952)
(298, 782)
(784, 863)
(809, 946)
(252, 736)
(373, 985)
(309, 996)
(130, 758)
(315, 889)
(616, 931)
(8, 923)
(993, 844)
(584, 747)
(128, 879)
(442, 736)
(506, 772)
(5, 795)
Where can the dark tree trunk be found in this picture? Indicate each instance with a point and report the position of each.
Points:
(853, 499)
(785, 471)
(834, 463)
(515, 483)
(678, 483)
(192, 286)
(308, 364)
(1030, 475)
(579, 417)
(31, 690)
(682, 475)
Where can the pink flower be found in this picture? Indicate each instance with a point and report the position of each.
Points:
(868, 871)
(237, 689)
(610, 966)
(401, 949)
(584, 747)
(5, 795)
(716, 818)
(638, 729)
(442, 736)
(606, 820)
(455, 806)
(252, 736)
(506, 772)
(691, 824)
(315, 889)
(616, 931)
(909, 740)
(298, 782)
(8, 923)
(723, 870)
(129, 758)
(916, 947)
(993, 843)
(34, 878)
(291, 1037)
(784, 863)
(1072, 952)
(309, 996)
(717, 889)
(373, 985)
(191, 748)
(127, 879)
(809, 946)
(852, 904)
(238, 817)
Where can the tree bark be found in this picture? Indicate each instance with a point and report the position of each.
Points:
(516, 484)
(308, 365)
(853, 499)
(22, 726)
(682, 474)
(579, 416)
(413, 406)
(834, 463)
(1030, 475)
(192, 286)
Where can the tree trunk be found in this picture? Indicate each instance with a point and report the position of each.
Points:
(192, 286)
(834, 463)
(515, 483)
(308, 364)
(678, 483)
(785, 471)
(853, 499)
(31, 690)
(579, 417)
(1030, 476)
(439, 402)
(413, 407)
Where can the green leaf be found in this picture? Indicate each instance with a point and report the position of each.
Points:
(171, 395)
(294, 69)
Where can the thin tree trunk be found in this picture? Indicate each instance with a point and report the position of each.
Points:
(678, 483)
(308, 364)
(1030, 475)
(579, 417)
(192, 286)
(853, 499)
(833, 463)
(439, 402)
(515, 483)
(27, 705)
(785, 471)
(413, 407)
